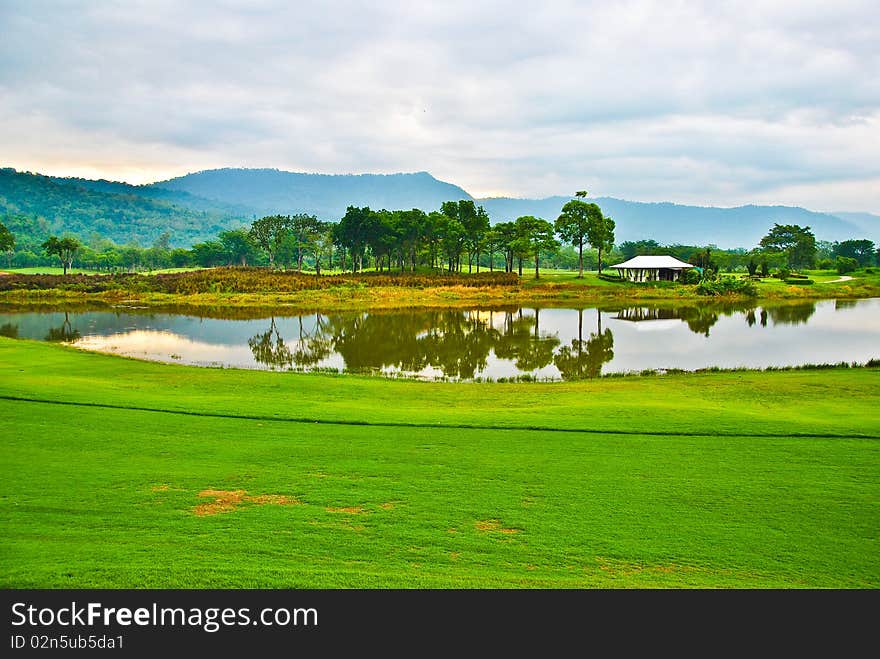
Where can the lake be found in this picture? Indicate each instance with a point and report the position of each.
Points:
(541, 343)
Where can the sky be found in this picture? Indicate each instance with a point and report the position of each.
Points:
(707, 103)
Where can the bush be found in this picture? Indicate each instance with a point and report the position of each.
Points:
(846, 264)
(800, 282)
(690, 277)
(783, 273)
(825, 264)
(727, 286)
(246, 280)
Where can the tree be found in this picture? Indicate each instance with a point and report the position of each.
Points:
(65, 249)
(536, 236)
(302, 228)
(860, 250)
(321, 244)
(269, 233)
(354, 232)
(238, 245)
(572, 225)
(846, 264)
(209, 254)
(492, 242)
(507, 240)
(600, 231)
(474, 224)
(796, 242)
(630, 248)
(163, 242)
(7, 242)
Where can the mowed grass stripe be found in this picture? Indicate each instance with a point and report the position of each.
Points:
(392, 424)
(102, 497)
(838, 402)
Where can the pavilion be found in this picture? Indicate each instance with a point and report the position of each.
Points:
(652, 268)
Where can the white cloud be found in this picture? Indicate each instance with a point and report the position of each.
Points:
(680, 101)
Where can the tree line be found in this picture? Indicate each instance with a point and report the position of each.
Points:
(457, 237)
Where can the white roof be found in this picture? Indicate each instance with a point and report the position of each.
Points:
(651, 262)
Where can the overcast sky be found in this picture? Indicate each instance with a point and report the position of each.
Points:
(695, 102)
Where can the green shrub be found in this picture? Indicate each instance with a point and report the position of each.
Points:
(690, 277)
(845, 264)
(800, 282)
(727, 286)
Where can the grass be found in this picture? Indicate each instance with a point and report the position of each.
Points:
(739, 479)
(369, 292)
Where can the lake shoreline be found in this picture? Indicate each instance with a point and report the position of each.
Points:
(447, 297)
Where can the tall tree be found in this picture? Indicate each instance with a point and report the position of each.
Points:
(65, 249)
(536, 236)
(269, 233)
(862, 251)
(600, 231)
(302, 228)
(572, 225)
(354, 233)
(492, 242)
(238, 245)
(321, 245)
(7, 242)
(796, 242)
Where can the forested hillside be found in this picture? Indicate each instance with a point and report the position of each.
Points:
(267, 191)
(44, 207)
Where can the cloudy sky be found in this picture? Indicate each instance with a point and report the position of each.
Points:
(710, 103)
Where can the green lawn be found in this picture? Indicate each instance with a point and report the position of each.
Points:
(738, 479)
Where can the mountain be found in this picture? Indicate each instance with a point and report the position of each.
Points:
(869, 223)
(269, 191)
(114, 211)
(197, 206)
(669, 223)
(151, 191)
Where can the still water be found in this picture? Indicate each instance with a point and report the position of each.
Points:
(548, 343)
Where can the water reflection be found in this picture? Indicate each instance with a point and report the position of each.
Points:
(64, 332)
(543, 343)
(584, 359)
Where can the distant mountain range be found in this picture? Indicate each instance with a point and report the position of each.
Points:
(197, 206)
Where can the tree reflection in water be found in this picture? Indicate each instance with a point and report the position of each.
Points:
(584, 359)
(64, 333)
(269, 348)
(458, 344)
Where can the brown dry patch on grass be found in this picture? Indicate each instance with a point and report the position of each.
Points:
(159, 488)
(492, 526)
(453, 555)
(225, 501)
(390, 505)
(626, 569)
(351, 510)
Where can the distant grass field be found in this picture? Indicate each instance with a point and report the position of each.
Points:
(118, 473)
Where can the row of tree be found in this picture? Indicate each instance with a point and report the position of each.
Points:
(457, 234)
